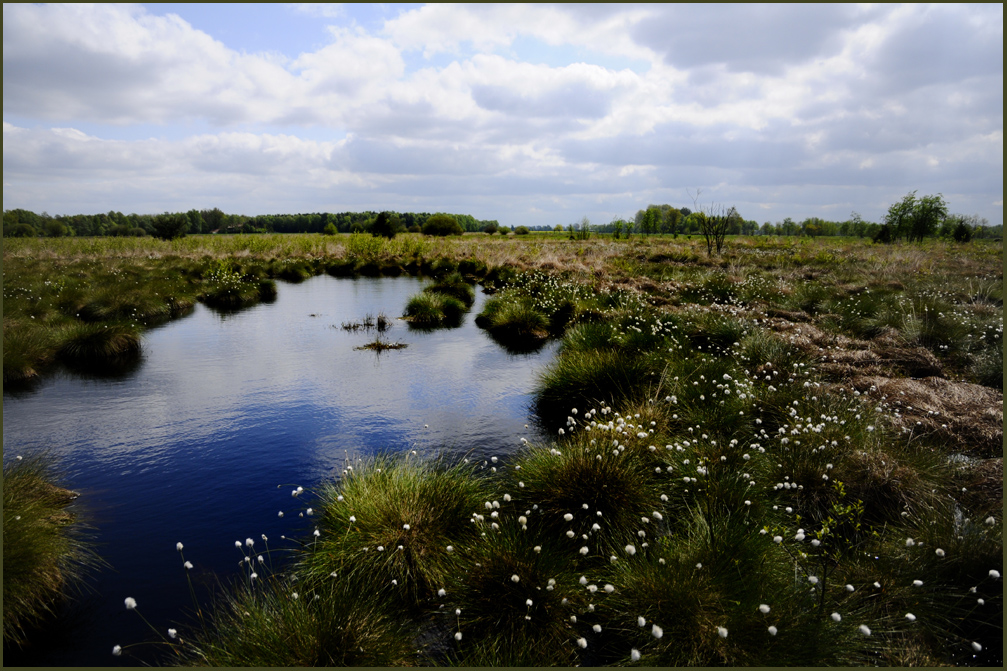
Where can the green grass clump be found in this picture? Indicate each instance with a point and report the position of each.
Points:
(511, 621)
(278, 623)
(434, 309)
(45, 552)
(453, 285)
(514, 322)
(89, 344)
(393, 520)
(590, 379)
(27, 348)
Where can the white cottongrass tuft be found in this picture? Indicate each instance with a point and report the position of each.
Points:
(130, 603)
(442, 592)
(722, 632)
(172, 633)
(813, 579)
(772, 631)
(295, 595)
(515, 578)
(990, 520)
(640, 621)
(864, 629)
(116, 650)
(584, 550)
(910, 617)
(179, 546)
(582, 642)
(596, 628)
(976, 646)
(939, 552)
(631, 550)
(994, 574)
(763, 608)
(609, 588)
(836, 617)
(528, 602)
(777, 539)
(188, 565)
(458, 636)
(849, 588)
(237, 544)
(634, 655)
(910, 542)
(568, 517)
(917, 583)
(656, 631)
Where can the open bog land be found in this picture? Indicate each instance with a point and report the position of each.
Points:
(786, 454)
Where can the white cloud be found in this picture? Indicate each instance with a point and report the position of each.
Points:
(768, 102)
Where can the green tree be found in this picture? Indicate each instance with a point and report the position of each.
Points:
(169, 226)
(928, 213)
(899, 217)
(386, 225)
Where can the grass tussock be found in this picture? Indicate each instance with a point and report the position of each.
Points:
(434, 309)
(277, 623)
(46, 552)
(393, 520)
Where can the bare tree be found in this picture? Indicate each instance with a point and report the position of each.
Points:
(714, 222)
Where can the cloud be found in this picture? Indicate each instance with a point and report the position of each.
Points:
(531, 106)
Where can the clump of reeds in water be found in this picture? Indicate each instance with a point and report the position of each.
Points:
(453, 285)
(46, 552)
(382, 323)
(434, 309)
(379, 344)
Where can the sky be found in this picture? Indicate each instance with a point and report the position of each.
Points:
(527, 114)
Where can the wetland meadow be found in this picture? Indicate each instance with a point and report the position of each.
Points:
(286, 450)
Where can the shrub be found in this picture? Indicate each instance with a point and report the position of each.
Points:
(522, 230)
(330, 229)
(442, 224)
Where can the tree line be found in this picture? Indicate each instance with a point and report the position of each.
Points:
(25, 223)
(911, 218)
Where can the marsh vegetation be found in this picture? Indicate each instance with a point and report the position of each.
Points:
(787, 455)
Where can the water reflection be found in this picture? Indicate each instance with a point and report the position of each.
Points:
(191, 444)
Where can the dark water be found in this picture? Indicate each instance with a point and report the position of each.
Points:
(191, 446)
